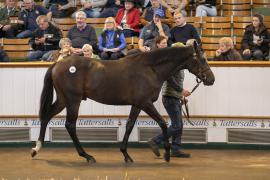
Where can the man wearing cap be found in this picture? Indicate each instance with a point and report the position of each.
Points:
(149, 32)
(165, 15)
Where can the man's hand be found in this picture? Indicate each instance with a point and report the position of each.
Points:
(246, 51)
(42, 40)
(60, 7)
(6, 27)
(20, 22)
(145, 49)
(37, 41)
(185, 93)
(259, 42)
(218, 52)
(159, 25)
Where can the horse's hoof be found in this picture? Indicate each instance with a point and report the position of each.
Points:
(33, 153)
(91, 160)
(167, 157)
(127, 160)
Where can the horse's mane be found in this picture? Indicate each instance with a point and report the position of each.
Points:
(157, 56)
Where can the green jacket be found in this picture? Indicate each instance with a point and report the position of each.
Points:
(173, 87)
(4, 16)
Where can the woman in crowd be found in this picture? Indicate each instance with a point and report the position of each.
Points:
(128, 19)
(65, 50)
(160, 42)
(226, 52)
(111, 41)
(255, 43)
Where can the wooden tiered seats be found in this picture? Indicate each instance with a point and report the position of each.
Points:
(216, 26)
(239, 24)
(210, 45)
(261, 3)
(236, 8)
(16, 49)
(132, 42)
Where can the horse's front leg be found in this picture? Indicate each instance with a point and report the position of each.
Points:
(72, 115)
(150, 109)
(134, 112)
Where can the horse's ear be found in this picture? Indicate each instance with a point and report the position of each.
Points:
(196, 47)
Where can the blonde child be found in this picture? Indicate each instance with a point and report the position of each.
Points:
(88, 51)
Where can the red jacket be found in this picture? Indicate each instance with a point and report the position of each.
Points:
(133, 18)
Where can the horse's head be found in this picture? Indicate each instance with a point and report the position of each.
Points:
(198, 66)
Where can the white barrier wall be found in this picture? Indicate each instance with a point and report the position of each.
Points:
(238, 91)
(234, 110)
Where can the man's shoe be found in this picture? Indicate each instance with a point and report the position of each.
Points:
(180, 154)
(154, 147)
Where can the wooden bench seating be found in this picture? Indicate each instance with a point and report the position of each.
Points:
(16, 49)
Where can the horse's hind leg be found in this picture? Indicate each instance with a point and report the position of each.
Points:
(134, 112)
(150, 109)
(72, 115)
(57, 107)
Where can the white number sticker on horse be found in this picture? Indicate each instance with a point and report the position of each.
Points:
(72, 69)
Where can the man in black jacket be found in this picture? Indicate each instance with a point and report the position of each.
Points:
(45, 39)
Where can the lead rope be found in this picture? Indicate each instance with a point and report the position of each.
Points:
(185, 101)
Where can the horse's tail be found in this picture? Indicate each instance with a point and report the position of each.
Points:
(46, 98)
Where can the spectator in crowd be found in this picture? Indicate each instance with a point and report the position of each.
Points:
(88, 51)
(3, 56)
(226, 52)
(172, 92)
(206, 8)
(183, 31)
(160, 42)
(111, 8)
(45, 39)
(65, 50)
(128, 19)
(2, 3)
(28, 17)
(149, 32)
(143, 4)
(82, 33)
(111, 41)
(8, 26)
(175, 6)
(165, 15)
(255, 43)
(92, 8)
(60, 8)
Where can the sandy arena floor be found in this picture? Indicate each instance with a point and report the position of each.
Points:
(64, 163)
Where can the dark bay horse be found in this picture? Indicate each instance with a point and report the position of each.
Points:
(135, 80)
